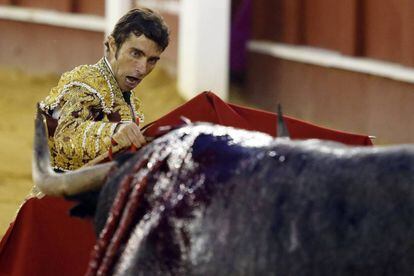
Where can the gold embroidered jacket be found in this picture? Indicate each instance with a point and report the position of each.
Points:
(82, 113)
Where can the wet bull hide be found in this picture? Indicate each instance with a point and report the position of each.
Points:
(214, 200)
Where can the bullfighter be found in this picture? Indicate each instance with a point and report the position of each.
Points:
(93, 104)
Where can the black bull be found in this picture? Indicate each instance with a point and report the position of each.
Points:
(212, 200)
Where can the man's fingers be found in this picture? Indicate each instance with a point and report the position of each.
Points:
(121, 140)
(134, 139)
(140, 138)
(138, 134)
(129, 134)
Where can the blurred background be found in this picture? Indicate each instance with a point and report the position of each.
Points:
(346, 65)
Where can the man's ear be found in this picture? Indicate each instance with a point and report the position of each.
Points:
(111, 46)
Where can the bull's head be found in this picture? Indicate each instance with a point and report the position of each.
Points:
(62, 184)
(87, 178)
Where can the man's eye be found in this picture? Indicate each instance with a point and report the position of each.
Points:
(135, 53)
(152, 61)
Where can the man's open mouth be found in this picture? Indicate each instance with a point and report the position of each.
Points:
(132, 81)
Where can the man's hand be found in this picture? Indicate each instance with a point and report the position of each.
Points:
(129, 134)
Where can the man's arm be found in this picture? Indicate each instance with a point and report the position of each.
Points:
(80, 135)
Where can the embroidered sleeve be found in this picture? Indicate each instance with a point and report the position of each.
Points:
(136, 107)
(81, 135)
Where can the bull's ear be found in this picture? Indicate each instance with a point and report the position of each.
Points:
(282, 130)
(61, 184)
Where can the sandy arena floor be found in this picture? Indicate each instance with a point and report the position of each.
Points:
(19, 94)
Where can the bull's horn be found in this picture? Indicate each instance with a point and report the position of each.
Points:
(282, 130)
(60, 184)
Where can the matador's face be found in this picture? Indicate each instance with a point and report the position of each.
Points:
(133, 61)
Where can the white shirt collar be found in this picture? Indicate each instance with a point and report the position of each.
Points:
(109, 65)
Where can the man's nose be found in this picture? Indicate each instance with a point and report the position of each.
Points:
(141, 66)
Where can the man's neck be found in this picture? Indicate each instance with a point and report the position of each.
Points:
(112, 72)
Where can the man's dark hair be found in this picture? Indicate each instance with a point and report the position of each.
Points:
(141, 22)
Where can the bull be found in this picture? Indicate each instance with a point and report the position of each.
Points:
(212, 200)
